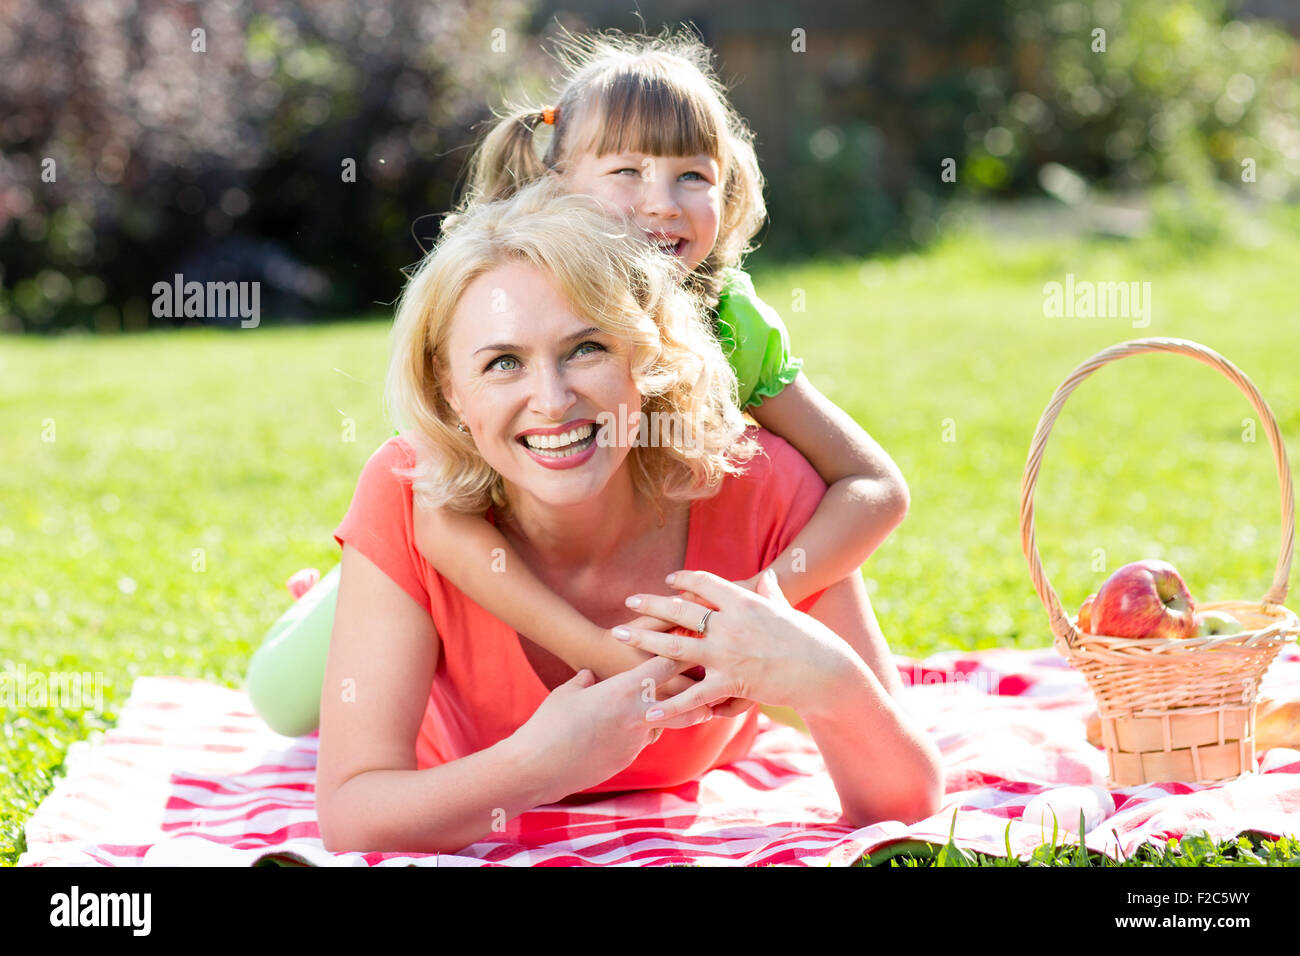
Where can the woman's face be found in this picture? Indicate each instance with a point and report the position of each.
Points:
(530, 377)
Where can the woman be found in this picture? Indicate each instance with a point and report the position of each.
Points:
(536, 316)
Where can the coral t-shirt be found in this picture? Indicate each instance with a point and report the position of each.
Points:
(484, 689)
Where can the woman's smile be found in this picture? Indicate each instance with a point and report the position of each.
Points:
(568, 446)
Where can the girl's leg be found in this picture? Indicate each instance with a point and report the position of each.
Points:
(287, 671)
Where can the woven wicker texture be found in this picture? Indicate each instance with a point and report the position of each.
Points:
(1173, 709)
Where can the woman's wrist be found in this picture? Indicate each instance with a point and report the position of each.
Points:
(535, 778)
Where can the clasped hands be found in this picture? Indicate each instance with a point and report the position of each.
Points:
(755, 646)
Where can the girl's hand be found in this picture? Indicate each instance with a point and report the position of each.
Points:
(584, 732)
(755, 646)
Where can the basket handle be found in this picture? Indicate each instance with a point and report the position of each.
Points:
(1062, 627)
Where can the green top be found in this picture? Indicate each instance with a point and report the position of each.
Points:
(754, 340)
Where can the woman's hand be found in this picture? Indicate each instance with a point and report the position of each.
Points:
(585, 732)
(755, 646)
(617, 657)
(732, 707)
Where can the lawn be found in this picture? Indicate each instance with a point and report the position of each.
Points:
(160, 488)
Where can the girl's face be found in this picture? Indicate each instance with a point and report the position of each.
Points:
(674, 199)
(531, 378)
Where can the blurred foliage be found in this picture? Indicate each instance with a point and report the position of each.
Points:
(869, 137)
(1143, 92)
(1174, 97)
(132, 147)
(127, 155)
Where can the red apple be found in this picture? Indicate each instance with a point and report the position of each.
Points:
(1144, 599)
(1085, 614)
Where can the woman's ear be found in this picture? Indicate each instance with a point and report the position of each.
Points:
(450, 398)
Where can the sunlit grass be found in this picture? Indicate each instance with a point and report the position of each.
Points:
(160, 488)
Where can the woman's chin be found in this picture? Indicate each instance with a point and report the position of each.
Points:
(560, 482)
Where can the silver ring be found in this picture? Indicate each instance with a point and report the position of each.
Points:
(699, 628)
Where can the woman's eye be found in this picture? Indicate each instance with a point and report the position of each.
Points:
(693, 173)
(628, 169)
(593, 345)
(497, 363)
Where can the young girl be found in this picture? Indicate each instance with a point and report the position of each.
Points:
(643, 124)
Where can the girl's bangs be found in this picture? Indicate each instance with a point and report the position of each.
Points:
(651, 114)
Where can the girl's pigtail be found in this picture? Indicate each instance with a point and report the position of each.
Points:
(507, 161)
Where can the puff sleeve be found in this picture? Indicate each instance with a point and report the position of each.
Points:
(755, 340)
(379, 522)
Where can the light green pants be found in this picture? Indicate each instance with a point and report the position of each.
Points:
(286, 673)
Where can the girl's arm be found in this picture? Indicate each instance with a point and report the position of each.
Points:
(471, 553)
(866, 500)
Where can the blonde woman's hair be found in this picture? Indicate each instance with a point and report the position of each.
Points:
(612, 278)
(633, 93)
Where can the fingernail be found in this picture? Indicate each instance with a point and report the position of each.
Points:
(634, 601)
(622, 633)
(654, 714)
(669, 579)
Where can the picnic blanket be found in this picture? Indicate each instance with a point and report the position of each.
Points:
(191, 776)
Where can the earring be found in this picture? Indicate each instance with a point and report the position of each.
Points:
(462, 427)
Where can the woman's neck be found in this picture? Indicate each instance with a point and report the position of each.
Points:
(587, 533)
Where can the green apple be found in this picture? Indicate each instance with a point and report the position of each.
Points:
(1217, 623)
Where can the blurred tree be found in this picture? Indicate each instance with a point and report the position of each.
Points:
(137, 138)
(1139, 93)
(132, 148)
(1174, 96)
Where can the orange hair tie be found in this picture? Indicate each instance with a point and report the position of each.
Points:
(548, 116)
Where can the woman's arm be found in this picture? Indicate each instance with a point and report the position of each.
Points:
(382, 658)
(866, 500)
(845, 687)
(369, 795)
(884, 765)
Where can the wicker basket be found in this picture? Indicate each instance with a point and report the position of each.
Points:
(1173, 710)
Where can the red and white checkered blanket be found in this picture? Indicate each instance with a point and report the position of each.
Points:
(191, 776)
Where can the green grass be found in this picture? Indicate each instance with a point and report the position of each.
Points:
(191, 472)
(1194, 851)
